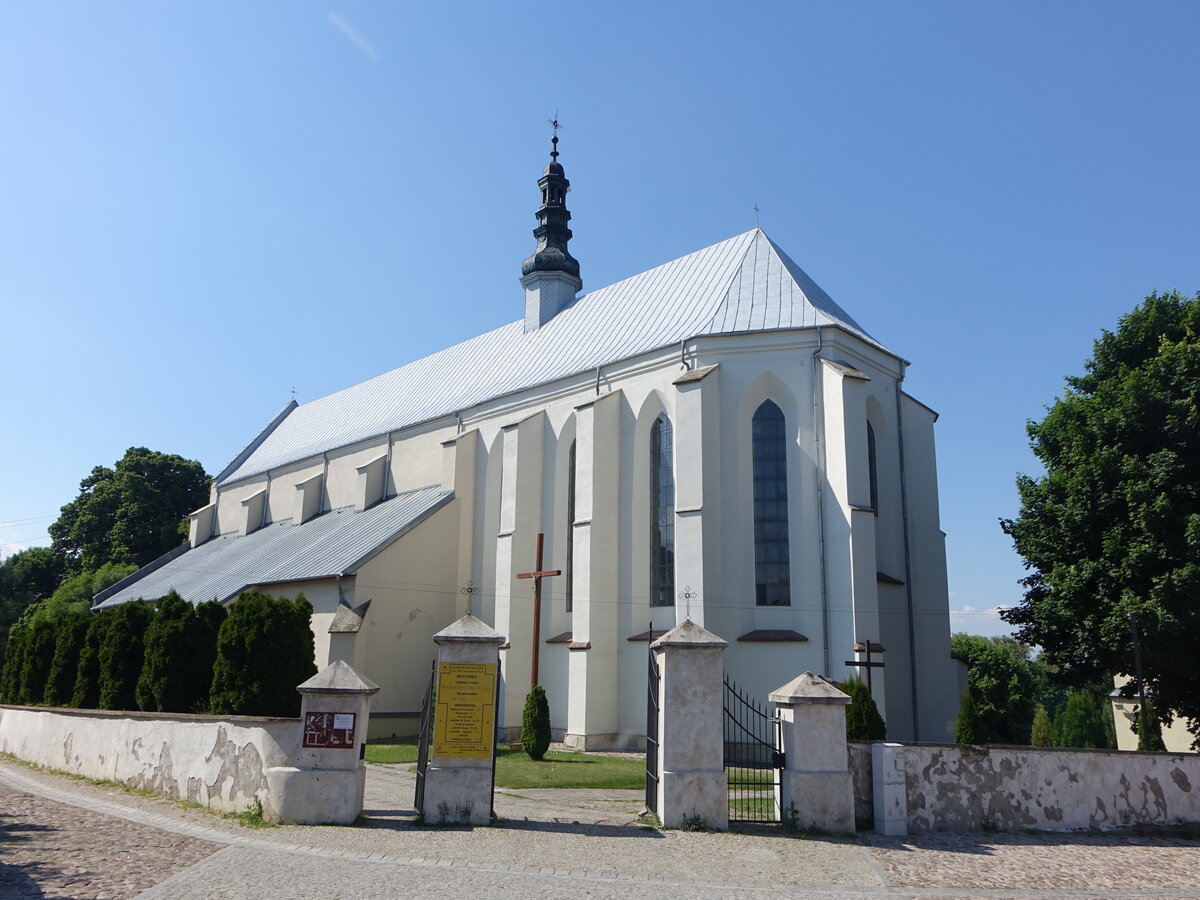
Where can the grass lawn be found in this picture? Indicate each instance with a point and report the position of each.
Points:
(514, 769)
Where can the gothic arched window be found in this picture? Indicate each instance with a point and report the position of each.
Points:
(569, 580)
(871, 468)
(662, 514)
(772, 569)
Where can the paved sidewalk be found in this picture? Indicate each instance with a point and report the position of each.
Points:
(96, 842)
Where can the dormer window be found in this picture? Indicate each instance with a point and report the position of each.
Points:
(309, 496)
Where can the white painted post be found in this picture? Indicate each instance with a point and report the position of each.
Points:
(325, 786)
(458, 782)
(889, 789)
(692, 785)
(815, 784)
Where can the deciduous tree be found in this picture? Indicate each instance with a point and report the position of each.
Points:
(1113, 525)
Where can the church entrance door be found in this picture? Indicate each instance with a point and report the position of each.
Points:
(753, 742)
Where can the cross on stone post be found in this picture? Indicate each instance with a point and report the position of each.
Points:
(537, 575)
(867, 647)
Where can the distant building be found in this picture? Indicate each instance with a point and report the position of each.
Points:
(713, 438)
(1126, 712)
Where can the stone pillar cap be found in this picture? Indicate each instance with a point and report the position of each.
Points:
(469, 629)
(807, 688)
(688, 634)
(339, 677)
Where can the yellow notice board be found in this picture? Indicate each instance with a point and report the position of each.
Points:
(465, 718)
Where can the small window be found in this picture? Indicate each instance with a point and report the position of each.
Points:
(772, 568)
(662, 514)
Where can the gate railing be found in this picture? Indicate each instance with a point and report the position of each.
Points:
(652, 684)
(423, 742)
(753, 757)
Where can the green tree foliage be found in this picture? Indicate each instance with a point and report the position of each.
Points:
(863, 721)
(35, 666)
(121, 656)
(131, 513)
(1005, 684)
(1151, 738)
(264, 651)
(70, 631)
(1081, 723)
(535, 723)
(25, 578)
(1041, 734)
(1113, 526)
(86, 694)
(969, 727)
(180, 648)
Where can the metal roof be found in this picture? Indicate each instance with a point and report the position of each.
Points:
(334, 543)
(743, 284)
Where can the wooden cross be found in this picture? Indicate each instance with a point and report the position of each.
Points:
(537, 575)
(867, 647)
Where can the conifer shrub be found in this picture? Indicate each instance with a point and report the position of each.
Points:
(535, 723)
(1041, 734)
(181, 646)
(264, 651)
(86, 694)
(1151, 738)
(35, 667)
(70, 631)
(968, 727)
(863, 721)
(1080, 723)
(121, 653)
(14, 660)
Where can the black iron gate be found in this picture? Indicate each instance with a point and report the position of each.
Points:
(423, 741)
(753, 757)
(652, 683)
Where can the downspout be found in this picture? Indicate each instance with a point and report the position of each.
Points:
(387, 465)
(324, 481)
(819, 457)
(266, 503)
(912, 638)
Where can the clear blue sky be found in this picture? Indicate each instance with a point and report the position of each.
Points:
(203, 206)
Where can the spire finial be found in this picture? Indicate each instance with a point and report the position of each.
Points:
(554, 140)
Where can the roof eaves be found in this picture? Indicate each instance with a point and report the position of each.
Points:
(141, 573)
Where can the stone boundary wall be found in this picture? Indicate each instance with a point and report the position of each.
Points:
(959, 787)
(216, 761)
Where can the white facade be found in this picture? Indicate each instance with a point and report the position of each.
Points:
(703, 341)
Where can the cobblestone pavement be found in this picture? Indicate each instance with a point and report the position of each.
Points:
(552, 843)
(50, 849)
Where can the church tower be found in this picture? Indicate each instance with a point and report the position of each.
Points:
(551, 276)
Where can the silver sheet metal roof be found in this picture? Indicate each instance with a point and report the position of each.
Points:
(743, 284)
(334, 543)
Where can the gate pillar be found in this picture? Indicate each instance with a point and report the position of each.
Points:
(815, 785)
(460, 776)
(692, 785)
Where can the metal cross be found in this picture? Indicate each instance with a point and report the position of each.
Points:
(867, 647)
(687, 595)
(537, 575)
(756, 225)
(470, 590)
(554, 139)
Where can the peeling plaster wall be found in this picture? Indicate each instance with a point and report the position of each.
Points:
(219, 762)
(955, 787)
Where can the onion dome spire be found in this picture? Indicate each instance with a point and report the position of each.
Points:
(552, 232)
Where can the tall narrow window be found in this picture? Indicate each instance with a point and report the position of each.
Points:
(872, 471)
(569, 585)
(662, 514)
(772, 571)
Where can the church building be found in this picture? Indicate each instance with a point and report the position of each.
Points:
(714, 438)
